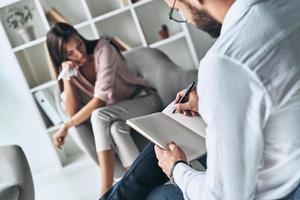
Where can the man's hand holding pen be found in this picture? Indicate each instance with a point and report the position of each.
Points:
(186, 102)
(190, 106)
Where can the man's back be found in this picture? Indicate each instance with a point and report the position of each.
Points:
(261, 40)
(267, 40)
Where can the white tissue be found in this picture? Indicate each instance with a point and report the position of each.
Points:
(67, 72)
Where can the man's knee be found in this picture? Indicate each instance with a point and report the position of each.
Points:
(165, 192)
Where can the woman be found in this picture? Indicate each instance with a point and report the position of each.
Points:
(98, 85)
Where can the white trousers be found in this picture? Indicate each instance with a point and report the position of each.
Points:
(111, 131)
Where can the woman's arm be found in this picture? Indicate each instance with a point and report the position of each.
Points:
(84, 113)
(79, 117)
(71, 102)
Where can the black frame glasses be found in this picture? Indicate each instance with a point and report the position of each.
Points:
(171, 15)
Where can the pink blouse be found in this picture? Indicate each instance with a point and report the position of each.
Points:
(114, 81)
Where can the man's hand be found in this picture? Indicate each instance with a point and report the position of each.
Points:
(167, 157)
(190, 107)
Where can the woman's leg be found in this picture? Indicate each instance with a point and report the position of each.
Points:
(103, 118)
(125, 147)
(104, 147)
(107, 160)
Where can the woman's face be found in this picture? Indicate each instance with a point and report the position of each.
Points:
(76, 50)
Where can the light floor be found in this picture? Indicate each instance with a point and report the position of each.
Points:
(79, 180)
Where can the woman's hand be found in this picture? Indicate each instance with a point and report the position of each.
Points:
(59, 136)
(190, 107)
(69, 64)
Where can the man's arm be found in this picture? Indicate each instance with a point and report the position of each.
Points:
(235, 106)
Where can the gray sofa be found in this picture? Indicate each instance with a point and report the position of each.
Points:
(158, 70)
(15, 176)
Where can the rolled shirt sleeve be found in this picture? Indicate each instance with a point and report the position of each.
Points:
(235, 106)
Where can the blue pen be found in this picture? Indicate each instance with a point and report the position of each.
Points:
(186, 93)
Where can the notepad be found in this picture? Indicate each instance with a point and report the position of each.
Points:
(163, 127)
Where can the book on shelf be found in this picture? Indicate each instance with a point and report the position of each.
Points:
(123, 3)
(54, 16)
(164, 127)
(45, 100)
(135, 1)
(120, 43)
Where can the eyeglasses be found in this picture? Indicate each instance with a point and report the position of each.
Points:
(175, 18)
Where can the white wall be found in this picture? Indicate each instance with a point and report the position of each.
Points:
(19, 123)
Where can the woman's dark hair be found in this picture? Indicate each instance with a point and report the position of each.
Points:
(57, 38)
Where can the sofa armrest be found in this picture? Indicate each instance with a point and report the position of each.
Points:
(16, 178)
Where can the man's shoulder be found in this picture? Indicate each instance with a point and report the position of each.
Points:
(259, 29)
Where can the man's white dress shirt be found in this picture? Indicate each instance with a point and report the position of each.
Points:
(249, 95)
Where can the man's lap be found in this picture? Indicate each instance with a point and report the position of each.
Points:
(140, 179)
(144, 180)
(143, 176)
(165, 192)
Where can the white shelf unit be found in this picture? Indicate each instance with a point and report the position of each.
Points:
(149, 22)
(122, 26)
(35, 70)
(133, 23)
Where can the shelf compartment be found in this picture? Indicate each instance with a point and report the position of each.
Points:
(137, 3)
(111, 14)
(101, 7)
(33, 62)
(87, 32)
(168, 40)
(182, 59)
(124, 28)
(44, 86)
(71, 10)
(29, 44)
(36, 22)
(151, 25)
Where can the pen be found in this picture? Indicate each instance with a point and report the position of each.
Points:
(186, 93)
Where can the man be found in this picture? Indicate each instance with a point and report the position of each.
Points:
(249, 95)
